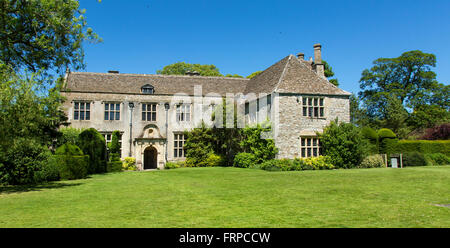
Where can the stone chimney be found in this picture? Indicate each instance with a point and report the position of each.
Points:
(318, 65)
(301, 56)
(114, 72)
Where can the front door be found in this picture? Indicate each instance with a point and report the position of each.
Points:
(150, 158)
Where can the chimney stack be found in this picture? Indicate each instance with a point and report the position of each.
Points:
(114, 72)
(301, 56)
(318, 65)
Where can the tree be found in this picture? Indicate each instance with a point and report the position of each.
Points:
(395, 85)
(253, 74)
(234, 75)
(43, 35)
(182, 68)
(114, 146)
(328, 70)
(92, 143)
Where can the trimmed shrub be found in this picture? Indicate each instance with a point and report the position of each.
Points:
(214, 160)
(438, 158)
(422, 146)
(174, 165)
(92, 143)
(385, 136)
(244, 160)
(72, 167)
(415, 159)
(114, 145)
(372, 161)
(317, 163)
(129, 163)
(298, 164)
(49, 171)
(371, 135)
(114, 166)
(69, 149)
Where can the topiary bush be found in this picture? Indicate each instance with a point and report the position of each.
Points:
(372, 161)
(385, 136)
(114, 166)
(72, 167)
(69, 149)
(244, 160)
(92, 143)
(372, 136)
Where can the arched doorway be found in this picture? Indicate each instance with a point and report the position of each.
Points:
(150, 158)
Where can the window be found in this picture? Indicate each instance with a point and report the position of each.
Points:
(313, 107)
(310, 147)
(183, 112)
(178, 146)
(148, 89)
(149, 112)
(112, 111)
(108, 139)
(82, 111)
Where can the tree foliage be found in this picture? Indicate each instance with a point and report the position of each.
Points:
(254, 74)
(182, 68)
(43, 34)
(328, 71)
(92, 143)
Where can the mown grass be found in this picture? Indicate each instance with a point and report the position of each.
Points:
(234, 197)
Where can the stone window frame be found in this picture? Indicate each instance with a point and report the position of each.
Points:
(179, 151)
(108, 138)
(115, 112)
(310, 146)
(81, 113)
(313, 106)
(152, 113)
(183, 112)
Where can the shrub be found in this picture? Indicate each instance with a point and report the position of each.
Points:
(214, 160)
(69, 149)
(68, 135)
(438, 158)
(72, 167)
(114, 166)
(441, 132)
(92, 143)
(318, 163)
(371, 135)
(422, 146)
(129, 163)
(344, 144)
(372, 161)
(244, 160)
(263, 149)
(415, 159)
(174, 165)
(298, 164)
(20, 163)
(113, 157)
(49, 171)
(114, 146)
(385, 136)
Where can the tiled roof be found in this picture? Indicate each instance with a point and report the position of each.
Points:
(289, 75)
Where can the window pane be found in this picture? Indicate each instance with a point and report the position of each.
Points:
(88, 115)
(321, 112)
(314, 142)
(310, 111)
(77, 105)
(180, 153)
(303, 152)
(82, 105)
(88, 106)
(117, 115)
(305, 110)
(111, 115)
(303, 142)
(154, 107)
(315, 152)
(144, 107)
(75, 115)
(81, 115)
(175, 153)
(106, 106)
(309, 152)
(118, 106)
(143, 116)
(309, 101)
(315, 101)
(321, 101)
(304, 100)
(309, 142)
(149, 116)
(316, 112)
(153, 116)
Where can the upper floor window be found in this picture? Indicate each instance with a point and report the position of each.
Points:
(81, 110)
(310, 147)
(183, 112)
(112, 111)
(148, 89)
(149, 111)
(313, 107)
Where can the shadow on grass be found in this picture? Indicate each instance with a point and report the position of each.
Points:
(38, 187)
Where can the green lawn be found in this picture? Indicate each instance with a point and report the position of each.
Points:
(234, 197)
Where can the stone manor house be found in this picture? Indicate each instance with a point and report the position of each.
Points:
(152, 111)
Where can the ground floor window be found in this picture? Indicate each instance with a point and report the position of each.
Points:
(178, 147)
(310, 147)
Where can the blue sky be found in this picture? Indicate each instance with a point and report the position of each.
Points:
(240, 37)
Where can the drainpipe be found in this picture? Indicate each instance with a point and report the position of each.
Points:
(131, 105)
(167, 107)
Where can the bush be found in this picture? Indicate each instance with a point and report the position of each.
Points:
(372, 161)
(129, 163)
(244, 160)
(92, 143)
(422, 146)
(298, 164)
(69, 149)
(72, 167)
(49, 172)
(214, 160)
(263, 149)
(441, 132)
(20, 163)
(114, 166)
(371, 135)
(114, 145)
(68, 135)
(385, 136)
(113, 157)
(344, 144)
(415, 159)
(438, 158)
(174, 165)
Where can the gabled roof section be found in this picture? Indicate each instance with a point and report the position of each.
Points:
(290, 75)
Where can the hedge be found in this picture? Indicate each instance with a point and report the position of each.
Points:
(422, 146)
(114, 166)
(72, 167)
